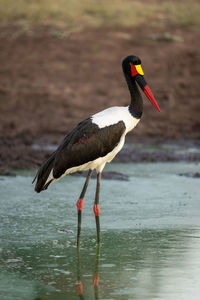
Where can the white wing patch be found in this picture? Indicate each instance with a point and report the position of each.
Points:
(113, 115)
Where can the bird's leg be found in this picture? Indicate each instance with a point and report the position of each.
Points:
(79, 205)
(96, 206)
(79, 284)
(96, 276)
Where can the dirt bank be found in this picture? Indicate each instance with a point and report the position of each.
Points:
(50, 82)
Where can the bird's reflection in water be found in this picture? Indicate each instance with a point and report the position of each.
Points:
(96, 277)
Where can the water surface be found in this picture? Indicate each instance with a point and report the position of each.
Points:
(150, 232)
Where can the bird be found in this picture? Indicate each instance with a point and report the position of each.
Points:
(96, 140)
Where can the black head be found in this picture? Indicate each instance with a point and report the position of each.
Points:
(133, 72)
(128, 61)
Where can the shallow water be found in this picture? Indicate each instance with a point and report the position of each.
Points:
(150, 232)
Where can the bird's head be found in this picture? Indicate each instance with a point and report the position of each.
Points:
(132, 68)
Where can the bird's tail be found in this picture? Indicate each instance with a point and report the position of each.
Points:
(43, 174)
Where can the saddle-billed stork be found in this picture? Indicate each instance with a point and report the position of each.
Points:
(96, 140)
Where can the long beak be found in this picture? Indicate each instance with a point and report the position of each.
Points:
(146, 89)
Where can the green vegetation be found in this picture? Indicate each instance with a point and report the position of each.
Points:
(78, 14)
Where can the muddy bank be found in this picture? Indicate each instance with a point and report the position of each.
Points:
(49, 84)
(27, 153)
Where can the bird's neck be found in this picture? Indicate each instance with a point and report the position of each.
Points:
(136, 105)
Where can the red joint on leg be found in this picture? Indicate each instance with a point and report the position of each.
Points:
(96, 279)
(79, 204)
(96, 210)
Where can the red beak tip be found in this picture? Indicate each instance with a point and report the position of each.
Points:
(151, 98)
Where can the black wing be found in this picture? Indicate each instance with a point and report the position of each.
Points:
(43, 174)
(85, 143)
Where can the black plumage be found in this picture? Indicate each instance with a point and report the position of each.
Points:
(83, 144)
(43, 174)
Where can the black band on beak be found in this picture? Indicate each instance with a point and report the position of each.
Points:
(145, 88)
(141, 81)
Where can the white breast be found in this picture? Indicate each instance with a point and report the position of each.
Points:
(113, 115)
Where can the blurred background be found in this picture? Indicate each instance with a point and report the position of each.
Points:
(61, 62)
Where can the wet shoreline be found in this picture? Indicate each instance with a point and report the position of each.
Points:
(24, 153)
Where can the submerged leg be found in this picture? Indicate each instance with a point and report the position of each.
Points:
(79, 284)
(79, 205)
(96, 206)
(96, 276)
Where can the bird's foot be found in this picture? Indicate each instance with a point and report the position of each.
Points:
(79, 287)
(96, 279)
